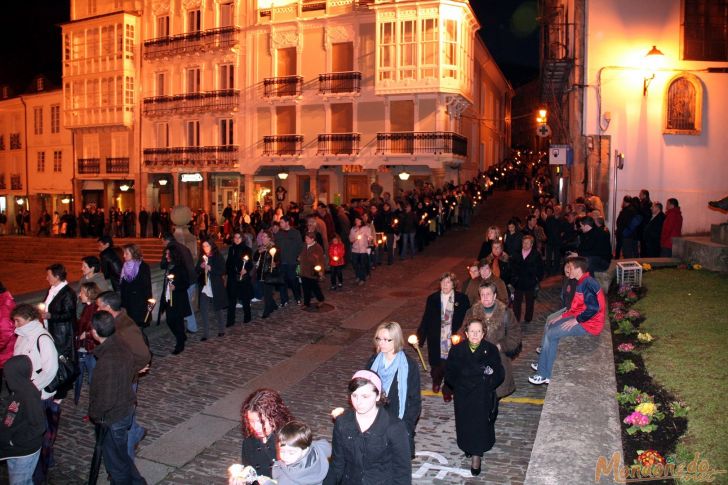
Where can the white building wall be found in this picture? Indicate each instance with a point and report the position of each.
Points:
(692, 169)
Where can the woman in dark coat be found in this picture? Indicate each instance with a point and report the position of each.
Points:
(438, 324)
(267, 267)
(400, 376)
(60, 314)
(175, 302)
(513, 238)
(474, 371)
(527, 274)
(210, 269)
(136, 284)
(238, 266)
(263, 414)
(369, 445)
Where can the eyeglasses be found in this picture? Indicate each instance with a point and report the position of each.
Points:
(389, 340)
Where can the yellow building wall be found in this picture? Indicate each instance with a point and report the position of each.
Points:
(427, 113)
(370, 119)
(313, 60)
(313, 122)
(264, 127)
(366, 54)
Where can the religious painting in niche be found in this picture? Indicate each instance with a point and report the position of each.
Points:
(683, 106)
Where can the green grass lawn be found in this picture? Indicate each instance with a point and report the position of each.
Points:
(687, 313)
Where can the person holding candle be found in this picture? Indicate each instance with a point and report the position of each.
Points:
(311, 260)
(84, 342)
(238, 266)
(175, 303)
(337, 259)
(210, 269)
(369, 445)
(135, 284)
(474, 371)
(267, 267)
(263, 414)
(472, 284)
(400, 376)
(359, 236)
(444, 313)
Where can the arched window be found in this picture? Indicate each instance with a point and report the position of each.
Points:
(683, 105)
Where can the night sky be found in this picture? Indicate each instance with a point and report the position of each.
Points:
(31, 39)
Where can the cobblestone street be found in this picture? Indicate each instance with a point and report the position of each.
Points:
(189, 403)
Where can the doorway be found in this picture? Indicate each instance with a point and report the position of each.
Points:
(357, 187)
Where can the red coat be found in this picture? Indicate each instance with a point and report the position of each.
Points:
(672, 227)
(7, 327)
(336, 254)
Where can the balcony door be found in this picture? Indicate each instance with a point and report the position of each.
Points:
(342, 57)
(286, 125)
(357, 187)
(286, 65)
(342, 121)
(402, 124)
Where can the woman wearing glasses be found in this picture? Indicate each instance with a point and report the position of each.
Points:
(400, 376)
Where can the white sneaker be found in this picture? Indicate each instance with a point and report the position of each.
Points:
(534, 366)
(538, 380)
(538, 349)
(255, 300)
(238, 305)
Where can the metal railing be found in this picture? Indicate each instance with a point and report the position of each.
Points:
(338, 143)
(282, 86)
(282, 145)
(117, 164)
(16, 182)
(89, 165)
(223, 100)
(210, 156)
(340, 82)
(422, 142)
(191, 42)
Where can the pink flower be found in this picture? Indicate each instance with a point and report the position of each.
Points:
(626, 347)
(633, 314)
(616, 305)
(637, 419)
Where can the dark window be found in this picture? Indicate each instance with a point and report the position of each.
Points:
(705, 30)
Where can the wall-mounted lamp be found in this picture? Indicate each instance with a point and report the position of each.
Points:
(283, 175)
(66, 200)
(404, 175)
(124, 187)
(20, 201)
(652, 59)
(162, 182)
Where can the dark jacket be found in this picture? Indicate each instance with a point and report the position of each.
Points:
(180, 307)
(239, 287)
(111, 396)
(651, 236)
(130, 333)
(429, 329)
(135, 293)
(186, 254)
(22, 417)
(259, 455)
(553, 227)
(595, 243)
(61, 323)
(512, 243)
(290, 244)
(217, 265)
(474, 377)
(111, 266)
(309, 258)
(485, 249)
(378, 456)
(527, 273)
(413, 402)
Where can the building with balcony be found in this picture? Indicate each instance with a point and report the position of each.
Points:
(637, 121)
(205, 102)
(36, 153)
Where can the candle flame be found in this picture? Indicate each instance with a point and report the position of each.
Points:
(317, 268)
(456, 339)
(151, 301)
(170, 277)
(336, 412)
(41, 306)
(336, 258)
(273, 251)
(413, 340)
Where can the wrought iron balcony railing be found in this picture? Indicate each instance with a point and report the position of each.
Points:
(282, 86)
(89, 165)
(422, 142)
(117, 165)
(340, 82)
(16, 183)
(338, 143)
(191, 42)
(224, 100)
(282, 145)
(210, 156)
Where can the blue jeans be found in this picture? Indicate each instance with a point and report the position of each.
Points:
(136, 432)
(21, 469)
(116, 458)
(550, 344)
(360, 261)
(408, 242)
(290, 280)
(191, 321)
(86, 365)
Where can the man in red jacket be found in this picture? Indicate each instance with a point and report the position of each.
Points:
(672, 227)
(586, 315)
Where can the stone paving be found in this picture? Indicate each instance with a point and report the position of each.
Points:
(182, 389)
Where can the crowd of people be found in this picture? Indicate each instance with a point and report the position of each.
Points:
(472, 333)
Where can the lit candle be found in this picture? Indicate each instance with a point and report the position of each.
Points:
(171, 282)
(384, 238)
(150, 306)
(396, 221)
(272, 251)
(336, 258)
(336, 412)
(317, 268)
(41, 307)
(413, 341)
(456, 339)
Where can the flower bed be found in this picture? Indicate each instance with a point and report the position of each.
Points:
(652, 418)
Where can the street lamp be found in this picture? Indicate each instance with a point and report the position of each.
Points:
(404, 175)
(652, 59)
(124, 187)
(283, 175)
(162, 182)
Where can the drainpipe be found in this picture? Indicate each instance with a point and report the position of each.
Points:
(27, 167)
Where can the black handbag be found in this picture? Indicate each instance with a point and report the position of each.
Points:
(273, 277)
(66, 374)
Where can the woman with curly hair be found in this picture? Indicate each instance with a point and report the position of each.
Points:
(263, 415)
(135, 284)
